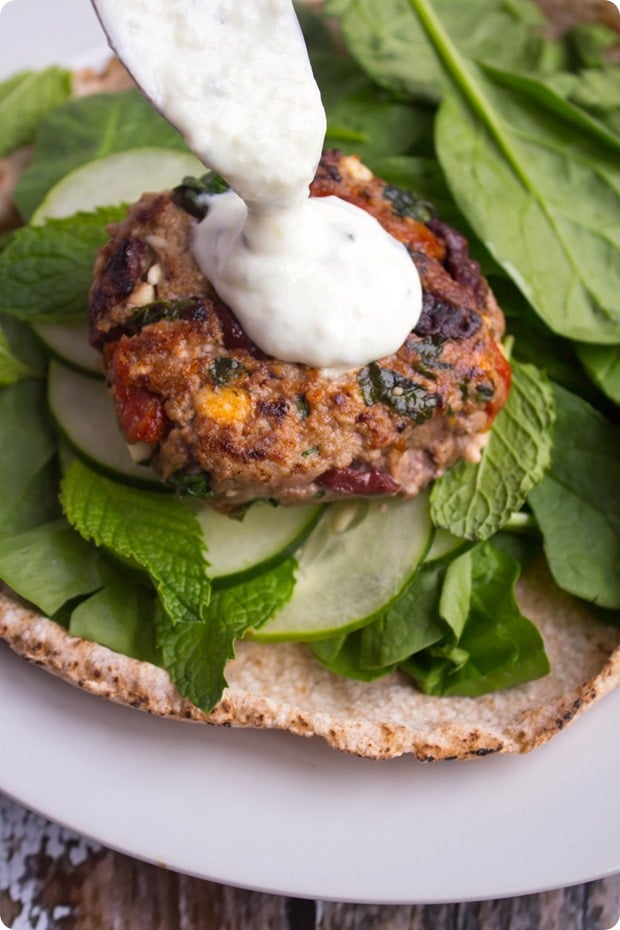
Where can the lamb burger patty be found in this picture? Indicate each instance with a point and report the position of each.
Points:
(222, 419)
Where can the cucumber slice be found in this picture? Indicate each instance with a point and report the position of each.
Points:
(118, 178)
(445, 544)
(68, 342)
(239, 549)
(356, 561)
(84, 414)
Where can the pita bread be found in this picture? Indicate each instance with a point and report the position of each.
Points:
(282, 686)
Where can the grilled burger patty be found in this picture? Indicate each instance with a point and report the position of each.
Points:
(224, 420)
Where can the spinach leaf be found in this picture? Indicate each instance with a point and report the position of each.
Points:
(88, 128)
(539, 184)
(48, 565)
(391, 45)
(456, 630)
(345, 655)
(588, 43)
(498, 647)
(577, 505)
(28, 489)
(119, 615)
(12, 369)
(46, 271)
(596, 90)
(534, 343)
(409, 625)
(603, 365)
(195, 654)
(25, 99)
(150, 530)
(475, 500)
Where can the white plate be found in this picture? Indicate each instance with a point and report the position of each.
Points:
(277, 813)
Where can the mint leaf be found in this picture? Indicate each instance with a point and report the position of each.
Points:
(87, 128)
(28, 489)
(195, 655)
(49, 565)
(577, 505)
(475, 500)
(498, 648)
(46, 271)
(25, 99)
(147, 529)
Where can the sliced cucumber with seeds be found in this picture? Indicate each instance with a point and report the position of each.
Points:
(115, 179)
(240, 549)
(84, 414)
(356, 561)
(68, 342)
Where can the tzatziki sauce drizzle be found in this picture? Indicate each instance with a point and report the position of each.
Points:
(314, 280)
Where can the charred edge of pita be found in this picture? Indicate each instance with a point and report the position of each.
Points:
(282, 687)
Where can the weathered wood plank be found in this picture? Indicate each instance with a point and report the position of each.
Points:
(53, 879)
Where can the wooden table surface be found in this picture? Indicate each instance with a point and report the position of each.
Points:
(54, 879)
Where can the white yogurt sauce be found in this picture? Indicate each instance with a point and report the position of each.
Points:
(311, 280)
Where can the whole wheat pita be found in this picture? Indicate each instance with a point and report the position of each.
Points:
(281, 686)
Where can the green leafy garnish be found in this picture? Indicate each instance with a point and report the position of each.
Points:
(46, 271)
(25, 99)
(119, 615)
(456, 629)
(12, 369)
(475, 500)
(157, 533)
(493, 646)
(87, 128)
(28, 489)
(196, 654)
(577, 505)
(48, 565)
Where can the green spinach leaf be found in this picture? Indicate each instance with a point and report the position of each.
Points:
(391, 45)
(119, 615)
(577, 505)
(49, 565)
(498, 647)
(12, 369)
(603, 365)
(29, 486)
